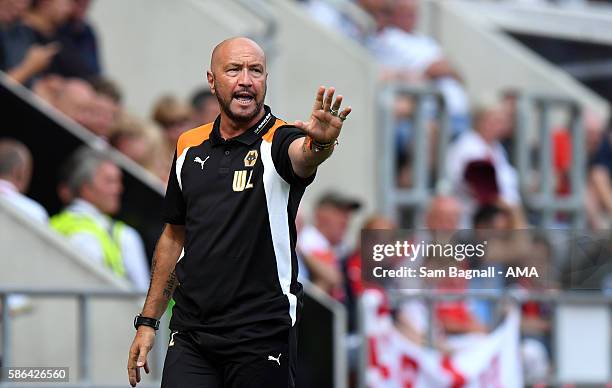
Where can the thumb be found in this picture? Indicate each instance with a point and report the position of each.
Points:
(53, 47)
(142, 356)
(300, 124)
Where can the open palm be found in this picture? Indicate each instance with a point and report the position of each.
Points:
(325, 120)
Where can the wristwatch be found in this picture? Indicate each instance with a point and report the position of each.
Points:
(139, 320)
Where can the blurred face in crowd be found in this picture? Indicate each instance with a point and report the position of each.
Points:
(55, 11)
(332, 221)
(405, 14)
(444, 214)
(79, 9)
(380, 10)
(237, 77)
(492, 124)
(11, 10)
(105, 188)
(15, 164)
(176, 127)
(207, 111)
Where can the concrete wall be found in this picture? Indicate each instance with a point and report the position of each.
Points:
(34, 257)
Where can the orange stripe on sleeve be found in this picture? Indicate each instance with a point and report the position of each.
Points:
(193, 137)
(270, 134)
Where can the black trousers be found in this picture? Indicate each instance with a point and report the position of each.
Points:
(196, 360)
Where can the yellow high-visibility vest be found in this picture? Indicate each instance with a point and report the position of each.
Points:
(69, 223)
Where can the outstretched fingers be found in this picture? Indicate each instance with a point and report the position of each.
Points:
(328, 99)
(337, 103)
(318, 104)
(345, 112)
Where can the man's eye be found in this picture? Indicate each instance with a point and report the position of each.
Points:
(233, 71)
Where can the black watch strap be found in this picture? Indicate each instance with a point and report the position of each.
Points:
(139, 320)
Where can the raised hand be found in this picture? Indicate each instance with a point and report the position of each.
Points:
(326, 119)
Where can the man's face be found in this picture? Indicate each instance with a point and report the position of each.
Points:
(332, 222)
(405, 14)
(238, 79)
(492, 124)
(104, 190)
(208, 111)
(59, 11)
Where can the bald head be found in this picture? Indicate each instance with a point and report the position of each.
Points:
(15, 163)
(444, 213)
(238, 77)
(235, 46)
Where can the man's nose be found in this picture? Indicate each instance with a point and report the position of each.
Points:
(245, 78)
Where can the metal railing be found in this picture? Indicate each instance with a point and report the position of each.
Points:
(430, 297)
(545, 201)
(84, 298)
(391, 197)
(84, 349)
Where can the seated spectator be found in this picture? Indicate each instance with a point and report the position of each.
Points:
(43, 21)
(174, 117)
(320, 244)
(106, 87)
(15, 175)
(80, 35)
(78, 100)
(95, 187)
(18, 57)
(477, 164)
(406, 55)
(142, 142)
(205, 107)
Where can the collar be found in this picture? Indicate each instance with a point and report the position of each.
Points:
(248, 137)
(81, 206)
(7, 186)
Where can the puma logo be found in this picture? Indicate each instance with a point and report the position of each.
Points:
(199, 160)
(277, 359)
(172, 338)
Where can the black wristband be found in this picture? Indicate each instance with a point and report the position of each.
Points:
(139, 320)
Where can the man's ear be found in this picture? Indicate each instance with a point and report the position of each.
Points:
(211, 81)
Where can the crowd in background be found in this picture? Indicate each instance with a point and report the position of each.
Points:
(49, 47)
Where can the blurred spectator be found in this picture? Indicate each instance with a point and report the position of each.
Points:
(478, 167)
(406, 55)
(142, 142)
(78, 100)
(454, 316)
(205, 107)
(43, 21)
(174, 116)
(18, 57)
(320, 244)
(78, 34)
(355, 283)
(599, 188)
(95, 187)
(15, 176)
(106, 87)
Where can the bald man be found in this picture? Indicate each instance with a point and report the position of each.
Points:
(15, 175)
(227, 252)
